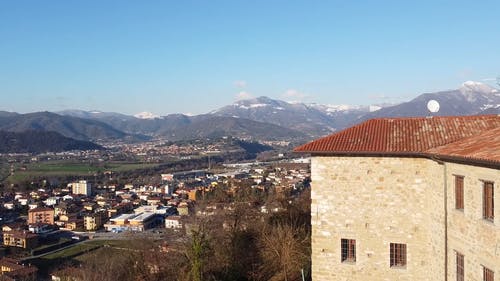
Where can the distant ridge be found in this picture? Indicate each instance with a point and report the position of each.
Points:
(68, 126)
(40, 142)
(179, 126)
(259, 118)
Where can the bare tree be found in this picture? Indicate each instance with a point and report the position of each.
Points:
(285, 251)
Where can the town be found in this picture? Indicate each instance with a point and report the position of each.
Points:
(50, 215)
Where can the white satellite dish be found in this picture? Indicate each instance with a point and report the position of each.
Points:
(433, 106)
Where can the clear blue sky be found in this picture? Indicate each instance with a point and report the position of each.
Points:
(195, 56)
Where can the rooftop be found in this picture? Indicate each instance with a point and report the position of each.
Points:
(467, 137)
(41, 209)
(485, 146)
(143, 216)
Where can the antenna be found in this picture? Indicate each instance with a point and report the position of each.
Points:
(433, 106)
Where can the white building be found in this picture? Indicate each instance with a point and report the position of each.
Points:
(51, 201)
(81, 187)
(173, 222)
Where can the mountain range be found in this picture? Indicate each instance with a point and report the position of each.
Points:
(259, 118)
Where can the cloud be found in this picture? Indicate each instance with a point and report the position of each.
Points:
(294, 94)
(240, 83)
(489, 79)
(243, 95)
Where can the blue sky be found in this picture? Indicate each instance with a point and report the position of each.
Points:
(195, 56)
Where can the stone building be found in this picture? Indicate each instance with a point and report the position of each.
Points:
(407, 199)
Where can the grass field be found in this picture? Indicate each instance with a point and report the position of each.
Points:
(72, 169)
(78, 253)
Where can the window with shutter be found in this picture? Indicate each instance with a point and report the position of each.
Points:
(488, 201)
(488, 274)
(459, 192)
(460, 267)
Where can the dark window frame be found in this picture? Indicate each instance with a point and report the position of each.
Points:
(398, 253)
(347, 250)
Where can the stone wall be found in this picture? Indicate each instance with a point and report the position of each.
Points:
(377, 201)
(469, 234)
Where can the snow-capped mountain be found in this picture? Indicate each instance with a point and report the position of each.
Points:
(146, 115)
(313, 119)
(264, 117)
(470, 98)
(481, 95)
(95, 114)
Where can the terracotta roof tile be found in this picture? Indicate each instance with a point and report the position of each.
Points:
(485, 147)
(415, 135)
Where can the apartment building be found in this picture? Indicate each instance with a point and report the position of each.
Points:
(20, 239)
(41, 215)
(81, 187)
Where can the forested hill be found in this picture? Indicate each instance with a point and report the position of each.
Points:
(40, 141)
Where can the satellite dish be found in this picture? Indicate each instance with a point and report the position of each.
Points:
(433, 106)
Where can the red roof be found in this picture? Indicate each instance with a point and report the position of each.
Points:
(485, 146)
(40, 209)
(415, 135)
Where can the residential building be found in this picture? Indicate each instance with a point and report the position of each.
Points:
(41, 215)
(120, 209)
(74, 224)
(407, 199)
(51, 201)
(94, 221)
(21, 239)
(41, 228)
(81, 187)
(184, 209)
(11, 269)
(173, 222)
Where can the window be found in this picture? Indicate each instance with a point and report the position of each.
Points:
(460, 267)
(488, 202)
(348, 250)
(488, 274)
(398, 254)
(459, 192)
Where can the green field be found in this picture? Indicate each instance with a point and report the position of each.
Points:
(78, 253)
(49, 169)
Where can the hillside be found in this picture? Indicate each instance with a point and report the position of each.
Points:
(68, 126)
(40, 142)
(179, 126)
(312, 120)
